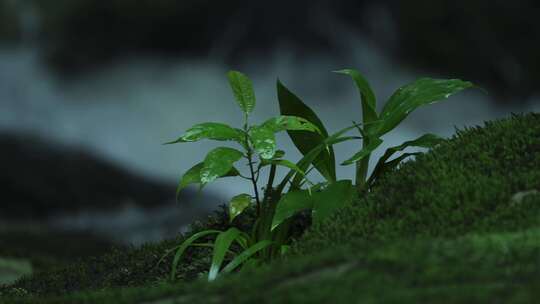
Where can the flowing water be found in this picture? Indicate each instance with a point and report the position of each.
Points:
(127, 110)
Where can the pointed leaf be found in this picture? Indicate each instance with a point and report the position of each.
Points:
(373, 144)
(217, 163)
(238, 204)
(221, 246)
(290, 204)
(210, 130)
(331, 198)
(193, 176)
(409, 97)
(367, 97)
(264, 141)
(243, 91)
(381, 168)
(428, 140)
(188, 242)
(291, 123)
(246, 255)
(290, 104)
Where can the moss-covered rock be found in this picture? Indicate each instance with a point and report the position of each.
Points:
(459, 224)
(466, 184)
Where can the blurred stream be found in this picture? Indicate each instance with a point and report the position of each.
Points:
(125, 111)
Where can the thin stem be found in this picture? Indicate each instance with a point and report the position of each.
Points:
(363, 164)
(254, 182)
(258, 172)
(361, 170)
(271, 176)
(251, 169)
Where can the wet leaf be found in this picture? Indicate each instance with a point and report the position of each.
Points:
(210, 130)
(409, 97)
(290, 104)
(238, 204)
(243, 91)
(217, 163)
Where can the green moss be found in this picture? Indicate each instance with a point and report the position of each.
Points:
(464, 185)
(475, 267)
(443, 228)
(127, 266)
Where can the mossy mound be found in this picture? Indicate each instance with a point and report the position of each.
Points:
(464, 185)
(448, 227)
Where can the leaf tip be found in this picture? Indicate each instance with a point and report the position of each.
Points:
(342, 71)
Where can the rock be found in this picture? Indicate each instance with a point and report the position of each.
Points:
(40, 179)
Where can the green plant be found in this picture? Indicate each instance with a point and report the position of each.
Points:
(274, 210)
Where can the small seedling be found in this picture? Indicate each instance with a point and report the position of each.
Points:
(275, 207)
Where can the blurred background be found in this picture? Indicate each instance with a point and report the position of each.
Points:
(89, 91)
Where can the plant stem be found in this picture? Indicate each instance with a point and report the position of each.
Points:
(254, 182)
(250, 162)
(268, 190)
(361, 170)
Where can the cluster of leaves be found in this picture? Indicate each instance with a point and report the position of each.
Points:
(269, 236)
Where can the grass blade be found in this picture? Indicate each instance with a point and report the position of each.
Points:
(221, 246)
(245, 255)
(182, 248)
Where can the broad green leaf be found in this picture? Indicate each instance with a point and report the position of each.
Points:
(263, 140)
(290, 204)
(185, 245)
(291, 123)
(221, 246)
(217, 163)
(290, 104)
(263, 136)
(211, 130)
(428, 140)
(334, 196)
(243, 91)
(245, 255)
(193, 176)
(367, 97)
(238, 204)
(373, 144)
(409, 97)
